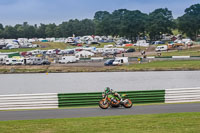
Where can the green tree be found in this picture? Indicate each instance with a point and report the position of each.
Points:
(57, 32)
(20, 30)
(189, 23)
(10, 32)
(1, 26)
(40, 31)
(87, 27)
(103, 23)
(118, 22)
(159, 22)
(50, 30)
(133, 24)
(1, 31)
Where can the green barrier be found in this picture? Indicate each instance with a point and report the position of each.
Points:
(163, 57)
(194, 56)
(13, 54)
(85, 99)
(84, 59)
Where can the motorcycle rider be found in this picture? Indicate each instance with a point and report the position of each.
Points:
(111, 92)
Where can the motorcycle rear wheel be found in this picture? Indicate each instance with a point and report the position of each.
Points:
(103, 105)
(128, 104)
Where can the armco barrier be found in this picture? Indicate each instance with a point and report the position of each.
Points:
(180, 57)
(28, 101)
(85, 99)
(182, 95)
(54, 100)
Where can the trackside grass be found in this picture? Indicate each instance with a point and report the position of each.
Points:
(183, 65)
(154, 123)
(164, 65)
(190, 52)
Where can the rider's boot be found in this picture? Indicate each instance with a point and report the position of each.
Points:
(121, 101)
(114, 100)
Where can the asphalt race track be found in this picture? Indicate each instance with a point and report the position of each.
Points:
(92, 112)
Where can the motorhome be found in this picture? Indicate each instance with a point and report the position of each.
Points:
(84, 54)
(11, 46)
(66, 51)
(142, 43)
(120, 61)
(39, 61)
(68, 59)
(36, 52)
(161, 48)
(14, 61)
(50, 52)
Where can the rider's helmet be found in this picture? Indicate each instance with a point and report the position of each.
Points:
(107, 89)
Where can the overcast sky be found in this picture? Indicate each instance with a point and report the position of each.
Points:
(56, 11)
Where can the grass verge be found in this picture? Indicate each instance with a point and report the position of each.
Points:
(156, 123)
(181, 65)
(164, 66)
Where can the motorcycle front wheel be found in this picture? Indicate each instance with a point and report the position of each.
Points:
(127, 103)
(103, 105)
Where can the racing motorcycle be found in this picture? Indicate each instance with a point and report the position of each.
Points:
(113, 101)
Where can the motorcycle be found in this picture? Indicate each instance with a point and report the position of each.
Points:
(114, 102)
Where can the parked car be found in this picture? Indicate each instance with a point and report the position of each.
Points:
(109, 62)
(130, 50)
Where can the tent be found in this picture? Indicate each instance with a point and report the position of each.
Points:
(84, 54)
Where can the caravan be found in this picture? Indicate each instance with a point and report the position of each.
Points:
(142, 43)
(15, 61)
(161, 48)
(68, 59)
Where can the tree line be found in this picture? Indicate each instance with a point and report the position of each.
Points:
(124, 23)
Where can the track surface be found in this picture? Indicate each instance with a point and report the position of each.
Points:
(96, 82)
(92, 112)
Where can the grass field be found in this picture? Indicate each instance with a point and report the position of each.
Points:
(182, 53)
(43, 46)
(154, 123)
(164, 65)
(187, 52)
(16, 50)
(53, 45)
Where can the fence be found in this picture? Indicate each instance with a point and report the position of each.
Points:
(85, 99)
(28, 101)
(54, 100)
(182, 95)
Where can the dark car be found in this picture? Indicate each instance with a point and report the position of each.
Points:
(130, 50)
(46, 62)
(109, 62)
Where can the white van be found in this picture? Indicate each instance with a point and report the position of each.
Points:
(161, 48)
(68, 59)
(120, 61)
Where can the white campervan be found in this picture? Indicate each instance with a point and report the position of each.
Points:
(15, 61)
(68, 59)
(120, 61)
(162, 48)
